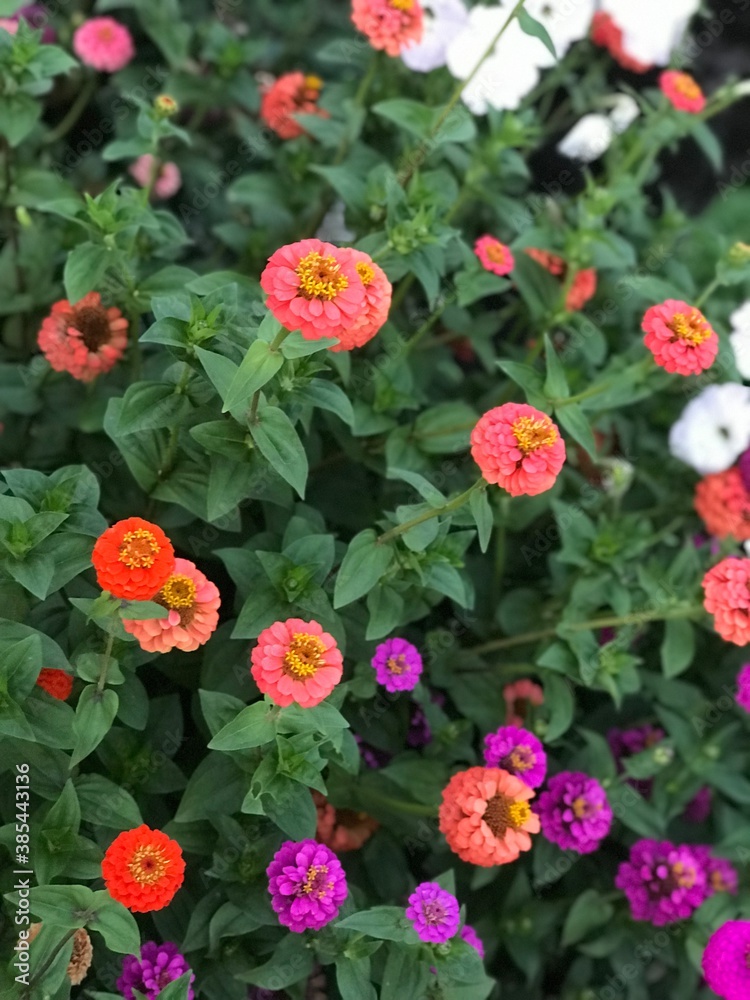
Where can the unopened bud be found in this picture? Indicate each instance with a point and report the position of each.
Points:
(23, 217)
(739, 253)
(166, 106)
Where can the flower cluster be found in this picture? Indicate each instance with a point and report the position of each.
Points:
(390, 25)
(151, 971)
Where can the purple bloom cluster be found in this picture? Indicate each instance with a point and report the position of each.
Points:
(743, 688)
(574, 812)
(307, 885)
(434, 913)
(158, 965)
(698, 808)
(518, 752)
(726, 960)
(397, 665)
(470, 936)
(664, 882)
(721, 875)
(36, 16)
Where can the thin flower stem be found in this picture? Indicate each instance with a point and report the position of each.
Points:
(446, 508)
(105, 666)
(425, 327)
(74, 112)
(707, 292)
(174, 433)
(397, 805)
(644, 365)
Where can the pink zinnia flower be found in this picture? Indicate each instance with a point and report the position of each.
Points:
(193, 603)
(727, 598)
(493, 255)
(723, 503)
(85, 339)
(390, 25)
(289, 95)
(296, 661)
(377, 302)
(519, 448)
(103, 44)
(679, 337)
(682, 91)
(168, 177)
(518, 696)
(314, 287)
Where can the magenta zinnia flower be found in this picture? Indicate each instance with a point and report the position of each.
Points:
(518, 752)
(698, 808)
(664, 882)
(397, 665)
(574, 812)
(158, 965)
(726, 960)
(721, 875)
(470, 936)
(434, 913)
(743, 688)
(307, 885)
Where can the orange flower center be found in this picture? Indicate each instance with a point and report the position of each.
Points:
(93, 324)
(178, 592)
(313, 83)
(582, 808)
(320, 277)
(693, 329)
(496, 252)
(503, 813)
(683, 877)
(365, 272)
(304, 655)
(401, 4)
(315, 881)
(521, 758)
(396, 664)
(684, 84)
(148, 864)
(531, 433)
(138, 549)
(105, 34)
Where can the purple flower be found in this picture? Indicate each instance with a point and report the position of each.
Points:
(574, 812)
(725, 960)
(419, 734)
(664, 882)
(518, 752)
(397, 665)
(743, 688)
(434, 913)
(743, 464)
(307, 885)
(158, 965)
(372, 756)
(698, 808)
(470, 936)
(627, 742)
(35, 16)
(721, 875)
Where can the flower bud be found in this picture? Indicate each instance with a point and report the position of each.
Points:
(165, 106)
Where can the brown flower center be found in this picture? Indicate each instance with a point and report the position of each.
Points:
(148, 865)
(365, 272)
(684, 84)
(693, 329)
(304, 655)
(503, 813)
(178, 594)
(93, 323)
(532, 433)
(320, 277)
(138, 549)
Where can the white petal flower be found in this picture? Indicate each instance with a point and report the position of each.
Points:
(624, 112)
(651, 31)
(443, 20)
(589, 139)
(740, 339)
(714, 428)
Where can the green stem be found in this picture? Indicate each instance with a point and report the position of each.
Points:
(397, 805)
(644, 365)
(425, 327)
(26, 995)
(105, 666)
(707, 292)
(74, 112)
(275, 344)
(135, 345)
(446, 508)
(174, 433)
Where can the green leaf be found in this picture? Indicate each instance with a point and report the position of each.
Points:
(328, 396)
(556, 383)
(65, 906)
(142, 610)
(574, 421)
(479, 505)
(20, 664)
(530, 381)
(388, 923)
(290, 806)
(678, 646)
(589, 912)
(254, 726)
(353, 979)
(178, 989)
(279, 443)
(95, 714)
(363, 565)
(558, 694)
(116, 925)
(530, 26)
(405, 975)
(258, 367)
(84, 269)
(292, 962)
(104, 803)
(19, 114)
(150, 405)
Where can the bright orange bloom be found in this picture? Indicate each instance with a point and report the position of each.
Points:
(724, 505)
(485, 816)
(143, 869)
(342, 829)
(133, 559)
(58, 683)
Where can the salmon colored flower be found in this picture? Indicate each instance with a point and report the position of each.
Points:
(80, 959)
(679, 337)
(519, 448)
(193, 603)
(133, 559)
(493, 255)
(103, 44)
(727, 598)
(608, 35)
(57, 683)
(296, 661)
(342, 829)
(85, 339)
(682, 91)
(390, 25)
(584, 283)
(314, 287)
(485, 816)
(289, 95)
(723, 503)
(168, 180)
(376, 305)
(143, 869)
(518, 696)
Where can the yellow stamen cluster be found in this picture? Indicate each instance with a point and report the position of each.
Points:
(365, 272)
(303, 657)
(684, 877)
(521, 759)
(519, 814)
(311, 883)
(320, 277)
(693, 329)
(496, 252)
(148, 865)
(402, 4)
(531, 433)
(313, 83)
(138, 549)
(684, 84)
(503, 813)
(178, 592)
(396, 664)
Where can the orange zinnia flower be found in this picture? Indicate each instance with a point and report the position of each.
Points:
(133, 559)
(143, 869)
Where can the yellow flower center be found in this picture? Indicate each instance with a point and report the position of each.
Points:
(693, 329)
(303, 657)
(320, 277)
(503, 813)
(365, 272)
(521, 758)
(684, 877)
(315, 881)
(401, 4)
(582, 807)
(496, 253)
(178, 592)
(396, 664)
(313, 83)
(148, 865)
(684, 84)
(532, 433)
(138, 549)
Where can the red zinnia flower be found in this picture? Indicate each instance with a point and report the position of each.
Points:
(58, 683)
(390, 25)
(606, 34)
(84, 339)
(133, 559)
(727, 598)
(519, 448)
(584, 283)
(682, 91)
(289, 95)
(679, 337)
(143, 869)
(724, 504)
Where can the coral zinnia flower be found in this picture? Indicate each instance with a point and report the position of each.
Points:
(193, 603)
(391, 25)
(84, 339)
(679, 337)
(58, 683)
(168, 177)
(296, 661)
(376, 305)
(608, 35)
(727, 598)
(314, 287)
(518, 696)
(723, 503)
(485, 816)
(682, 91)
(584, 283)
(133, 559)
(342, 829)
(519, 448)
(103, 44)
(80, 959)
(291, 94)
(143, 869)
(493, 255)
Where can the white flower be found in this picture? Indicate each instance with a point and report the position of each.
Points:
(566, 21)
(589, 139)
(739, 338)
(651, 31)
(714, 428)
(443, 20)
(624, 112)
(333, 228)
